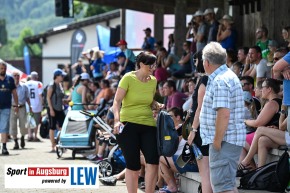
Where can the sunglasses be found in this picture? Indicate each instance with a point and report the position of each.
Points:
(244, 84)
(276, 58)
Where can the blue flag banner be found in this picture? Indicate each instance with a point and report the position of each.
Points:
(26, 59)
(103, 36)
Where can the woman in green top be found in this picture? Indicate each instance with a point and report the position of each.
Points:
(134, 123)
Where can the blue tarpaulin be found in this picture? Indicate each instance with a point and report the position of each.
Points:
(26, 59)
(103, 35)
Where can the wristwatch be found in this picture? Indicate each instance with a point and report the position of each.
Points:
(283, 112)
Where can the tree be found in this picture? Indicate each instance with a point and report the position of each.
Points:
(97, 9)
(19, 43)
(3, 32)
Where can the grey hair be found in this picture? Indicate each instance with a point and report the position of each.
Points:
(214, 53)
(3, 62)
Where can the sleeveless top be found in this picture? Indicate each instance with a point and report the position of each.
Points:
(230, 41)
(76, 98)
(275, 118)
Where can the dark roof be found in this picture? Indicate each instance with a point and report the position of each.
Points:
(75, 25)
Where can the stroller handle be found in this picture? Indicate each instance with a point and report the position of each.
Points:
(87, 113)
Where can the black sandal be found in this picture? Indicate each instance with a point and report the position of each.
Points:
(243, 170)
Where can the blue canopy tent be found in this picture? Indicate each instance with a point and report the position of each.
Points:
(103, 35)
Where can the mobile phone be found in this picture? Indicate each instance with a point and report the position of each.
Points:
(121, 128)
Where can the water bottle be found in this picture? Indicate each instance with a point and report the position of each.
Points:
(197, 152)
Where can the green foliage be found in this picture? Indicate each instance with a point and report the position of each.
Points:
(3, 32)
(7, 52)
(97, 9)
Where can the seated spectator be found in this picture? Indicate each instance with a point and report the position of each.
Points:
(231, 58)
(160, 73)
(278, 54)
(272, 46)
(168, 61)
(184, 62)
(123, 67)
(258, 66)
(286, 35)
(266, 138)
(191, 86)
(226, 35)
(113, 72)
(268, 117)
(248, 85)
(79, 93)
(168, 172)
(105, 93)
(97, 65)
(174, 98)
(238, 68)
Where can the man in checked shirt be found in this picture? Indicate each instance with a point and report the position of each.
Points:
(222, 119)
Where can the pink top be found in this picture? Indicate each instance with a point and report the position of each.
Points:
(176, 100)
(161, 74)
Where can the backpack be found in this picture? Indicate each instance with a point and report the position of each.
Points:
(44, 94)
(273, 176)
(44, 128)
(167, 136)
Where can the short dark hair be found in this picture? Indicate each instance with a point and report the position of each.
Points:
(245, 49)
(249, 79)
(176, 111)
(146, 58)
(257, 48)
(274, 84)
(264, 29)
(171, 84)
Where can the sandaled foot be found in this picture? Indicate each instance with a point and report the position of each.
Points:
(165, 190)
(243, 169)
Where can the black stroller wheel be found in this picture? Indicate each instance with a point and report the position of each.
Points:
(105, 168)
(59, 152)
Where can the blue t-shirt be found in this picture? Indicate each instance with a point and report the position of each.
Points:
(230, 41)
(149, 45)
(6, 87)
(98, 65)
(286, 84)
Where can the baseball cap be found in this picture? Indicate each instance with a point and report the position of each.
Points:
(273, 43)
(121, 42)
(147, 29)
(33, 73)
(198, 13)
(121, 54)
(207, 11)
(247, 97)
(58, 72)
(85, 76)
(186, 156)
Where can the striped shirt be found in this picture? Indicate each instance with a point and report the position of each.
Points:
(223, 91)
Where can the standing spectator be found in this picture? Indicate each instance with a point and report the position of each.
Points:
(174, 98)
(128, 53)
(98, 65)
(79, 67)
(214, 25)
(23, 97)
(134, 123)
(199, 36)
(282, 68)
(149, 41)
(35, 89)
(55, 96)
(221, 119)
(7, 88)
(258, 65)
(227, 36)
(263, 41)
(171, 44)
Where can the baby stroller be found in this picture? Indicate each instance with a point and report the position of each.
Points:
(78, 132)
(115, 161)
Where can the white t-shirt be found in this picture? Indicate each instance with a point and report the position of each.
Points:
(263, 71)
(35, 89)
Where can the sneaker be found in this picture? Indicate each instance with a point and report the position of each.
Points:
(5, 152)
(22, 142)
(16, 146)
(91, 156)
(108, 181)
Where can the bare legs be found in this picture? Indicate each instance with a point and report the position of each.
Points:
(203, 166)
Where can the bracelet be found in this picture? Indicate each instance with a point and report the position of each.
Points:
(194, 130)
